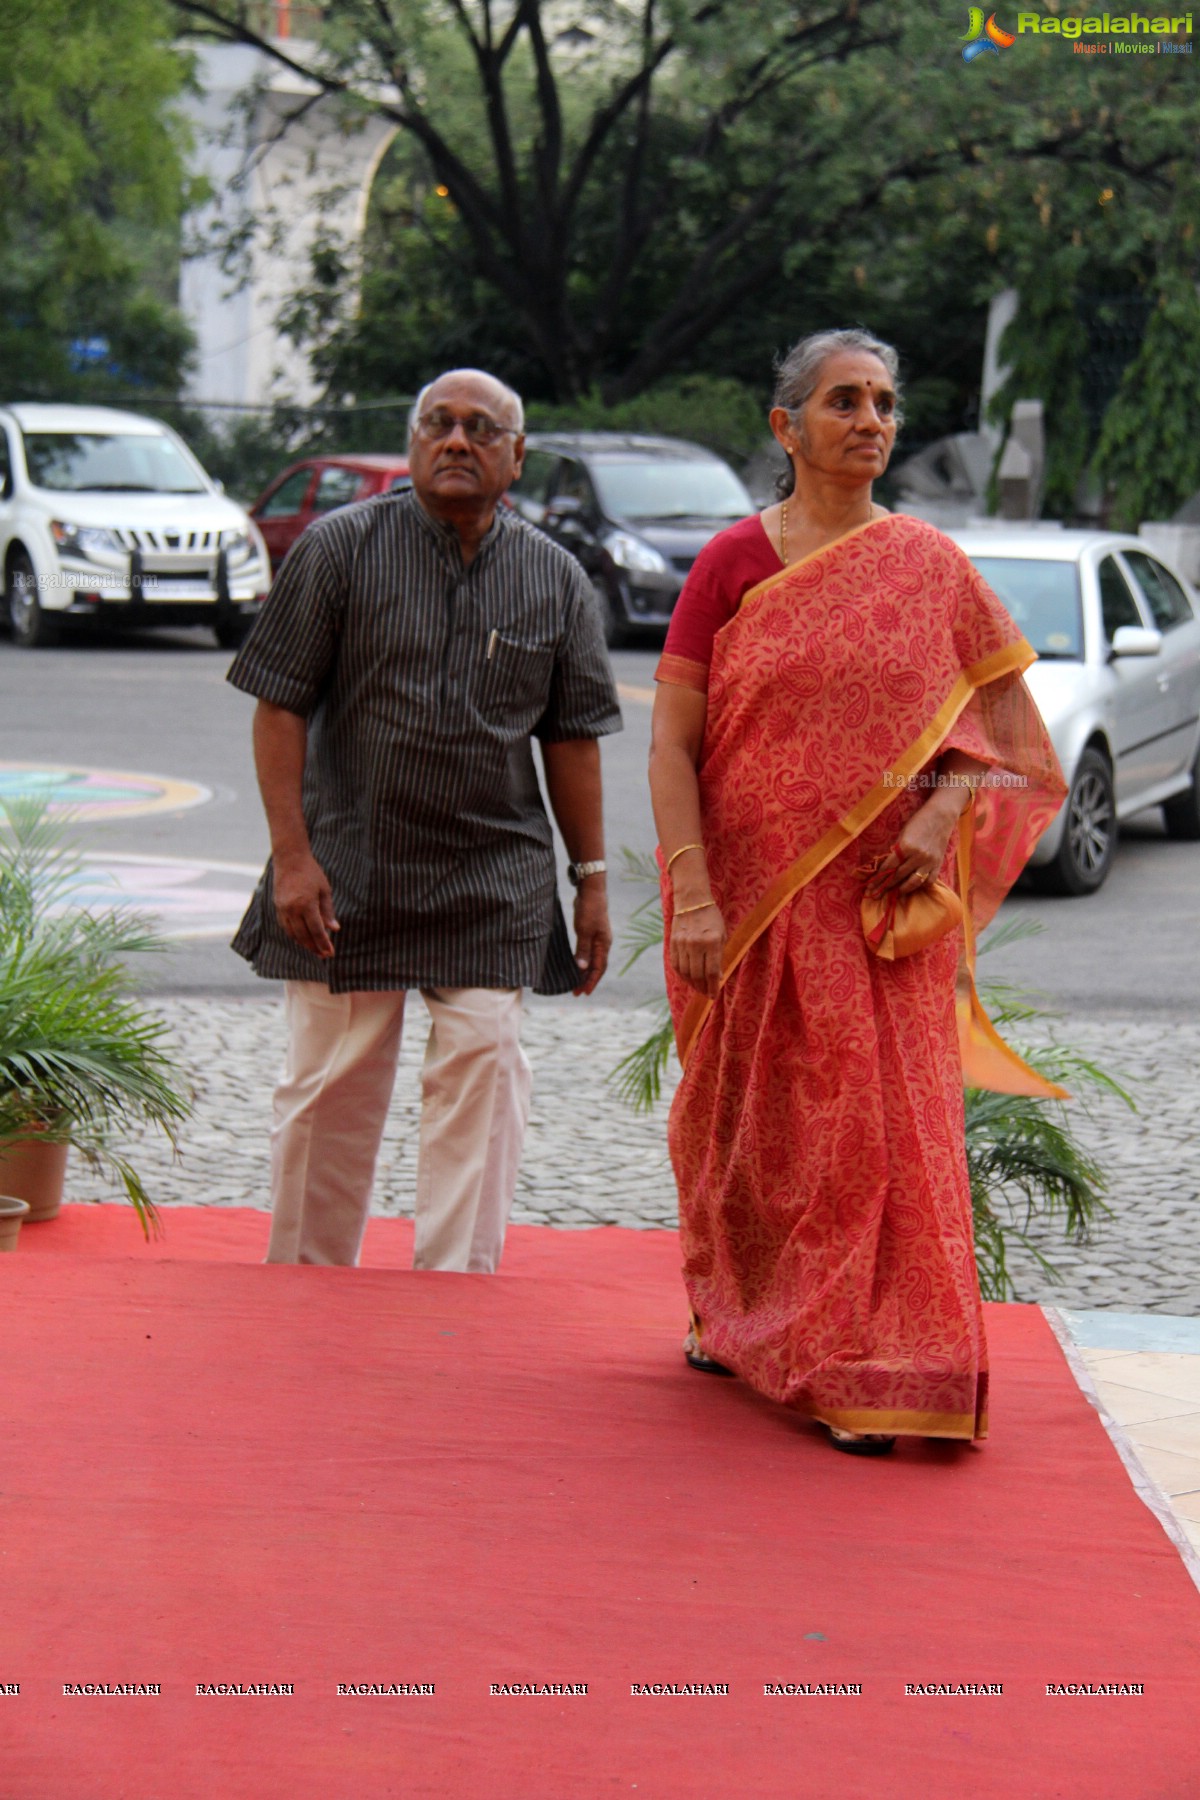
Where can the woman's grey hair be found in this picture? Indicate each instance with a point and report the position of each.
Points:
(798, 373)
(516, 408)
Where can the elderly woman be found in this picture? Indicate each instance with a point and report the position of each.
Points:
(840, 715)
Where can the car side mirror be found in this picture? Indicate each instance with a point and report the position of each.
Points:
(1136, 640)
(218, 484)
(565, 510)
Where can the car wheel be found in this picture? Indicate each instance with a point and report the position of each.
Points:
(616, 626)
(231, 633)
(31, 629)
(1089, 839)
(1182, 814)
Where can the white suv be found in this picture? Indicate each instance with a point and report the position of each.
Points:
(108, 515)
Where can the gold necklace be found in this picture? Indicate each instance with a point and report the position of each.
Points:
(783, 513)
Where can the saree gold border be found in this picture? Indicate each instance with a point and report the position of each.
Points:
(1012, 659)
(904, 1424)
(768, 581)
(1006, 1072)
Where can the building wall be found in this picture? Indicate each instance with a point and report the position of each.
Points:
(283, 164)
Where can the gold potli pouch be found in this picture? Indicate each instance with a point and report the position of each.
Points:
(897, 924)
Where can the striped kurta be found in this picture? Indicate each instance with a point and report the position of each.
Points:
(424, 683)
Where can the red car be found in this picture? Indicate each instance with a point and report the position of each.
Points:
(311, 488)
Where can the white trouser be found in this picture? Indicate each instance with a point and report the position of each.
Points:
(331, 1105)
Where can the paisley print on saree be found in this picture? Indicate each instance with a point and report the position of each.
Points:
(817, 1133)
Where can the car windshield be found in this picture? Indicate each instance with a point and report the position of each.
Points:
(92, 462)
(670, 488)
(1043, 598)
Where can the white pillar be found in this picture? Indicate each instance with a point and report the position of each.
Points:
(285, 166)
(1002, 310)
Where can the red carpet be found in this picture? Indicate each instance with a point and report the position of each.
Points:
(217, 1472)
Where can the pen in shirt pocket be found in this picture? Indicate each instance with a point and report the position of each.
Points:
(491, 645)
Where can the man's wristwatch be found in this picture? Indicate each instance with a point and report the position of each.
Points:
(577, 872)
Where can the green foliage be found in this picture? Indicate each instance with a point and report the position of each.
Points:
(645, 929)
(1027, 1169)
(92, 195)
(1025, 1165)
(247, 450)
(1149, 449)
(670, 191)
(79, 1059)
(1042, 350)
(1084, 255)
(715, 410)
(638, 1077)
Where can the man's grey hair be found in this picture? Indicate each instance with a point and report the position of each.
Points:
(516, 407)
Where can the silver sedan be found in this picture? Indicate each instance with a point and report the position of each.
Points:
(1117, 634)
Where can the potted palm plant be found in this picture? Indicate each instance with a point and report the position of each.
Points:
(13, 1213)
(80, 1061)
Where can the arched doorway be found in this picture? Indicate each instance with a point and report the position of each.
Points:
(287, 166)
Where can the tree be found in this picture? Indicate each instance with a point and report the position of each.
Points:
(93, 191)
(1149, 447)
(689, 184)
(1093, 261)
(562, 164)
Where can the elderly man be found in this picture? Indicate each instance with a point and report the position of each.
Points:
(411, 649)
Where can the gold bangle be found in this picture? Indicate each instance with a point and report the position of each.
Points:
(682, 848)
(680, 910)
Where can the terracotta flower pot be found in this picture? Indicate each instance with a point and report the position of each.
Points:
(13, 1213)
(36, 1173)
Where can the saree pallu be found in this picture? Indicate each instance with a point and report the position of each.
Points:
(817, 1132)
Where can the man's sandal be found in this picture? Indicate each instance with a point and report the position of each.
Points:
(696, 1359)
(856, 1443)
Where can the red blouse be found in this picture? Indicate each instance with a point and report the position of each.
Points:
(724, 572)
(729, 565)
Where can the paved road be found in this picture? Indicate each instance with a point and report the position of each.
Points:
(162, 706)
(1121, 968)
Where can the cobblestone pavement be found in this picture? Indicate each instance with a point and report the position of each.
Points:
(590, 1160)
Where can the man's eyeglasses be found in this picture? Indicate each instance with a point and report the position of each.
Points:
(477, 428)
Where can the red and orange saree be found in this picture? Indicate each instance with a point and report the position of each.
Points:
(817, 1132)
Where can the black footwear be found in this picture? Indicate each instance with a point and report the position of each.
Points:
(696, 1359)
(855, 1445)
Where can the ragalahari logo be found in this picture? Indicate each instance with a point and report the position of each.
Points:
(984, 35)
